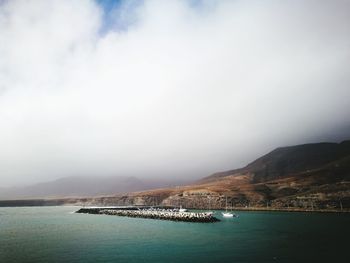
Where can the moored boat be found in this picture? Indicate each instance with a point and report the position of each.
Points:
(181, 210)
(228, 214)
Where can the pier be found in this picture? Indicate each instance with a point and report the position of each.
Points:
(153, 213)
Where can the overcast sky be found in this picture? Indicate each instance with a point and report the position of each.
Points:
(166, 88)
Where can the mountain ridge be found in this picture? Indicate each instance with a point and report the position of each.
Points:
(325, 151)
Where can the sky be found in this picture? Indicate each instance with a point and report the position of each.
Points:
(166, 88)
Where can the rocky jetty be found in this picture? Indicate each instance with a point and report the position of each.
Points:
(154, 213)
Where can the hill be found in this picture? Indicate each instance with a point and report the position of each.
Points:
(285, 161)
(306, 177)
(82, 186)
(301, 177)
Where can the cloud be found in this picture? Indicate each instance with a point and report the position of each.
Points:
(166, 88)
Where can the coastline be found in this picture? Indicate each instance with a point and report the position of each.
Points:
(300, 210)
(83, 202)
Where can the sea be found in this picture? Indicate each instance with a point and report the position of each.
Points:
(57, 234)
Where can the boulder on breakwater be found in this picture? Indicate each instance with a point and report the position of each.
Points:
(154, 213)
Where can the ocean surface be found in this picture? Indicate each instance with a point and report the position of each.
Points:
(55, 234)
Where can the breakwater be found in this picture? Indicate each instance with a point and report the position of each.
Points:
(153, 213)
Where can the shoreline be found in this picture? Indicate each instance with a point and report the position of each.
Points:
(61, 202)
(300, 210)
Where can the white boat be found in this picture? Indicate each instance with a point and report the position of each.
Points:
(228, 214)
(181, 210)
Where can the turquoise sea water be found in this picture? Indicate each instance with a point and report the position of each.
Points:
(54, 234)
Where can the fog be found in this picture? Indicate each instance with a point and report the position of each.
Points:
(166, 88)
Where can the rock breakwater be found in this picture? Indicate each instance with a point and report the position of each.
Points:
(154, 213)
